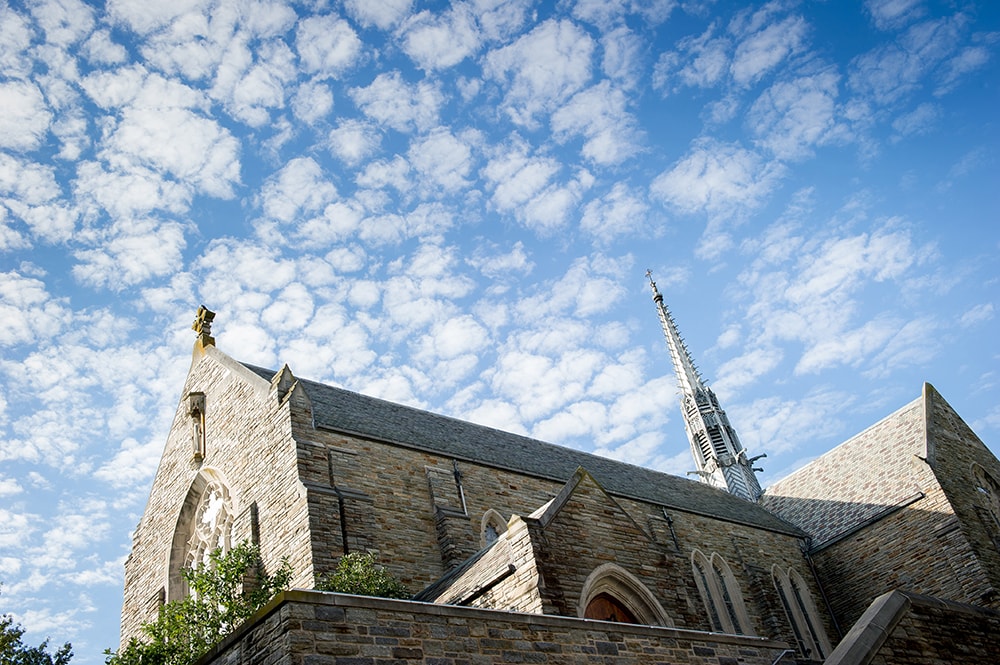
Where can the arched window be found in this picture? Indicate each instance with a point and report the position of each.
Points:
(721, 594)
(493, 524)
(611, 593)
(802, 614)
(204, 525)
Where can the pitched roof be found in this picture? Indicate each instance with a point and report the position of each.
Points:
(349, 412)
(860, 481)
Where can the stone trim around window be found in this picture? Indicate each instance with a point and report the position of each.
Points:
(491, 527)
(720, 592)
(205, 523)
(802, 614)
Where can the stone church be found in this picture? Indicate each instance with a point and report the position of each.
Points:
(884, 550)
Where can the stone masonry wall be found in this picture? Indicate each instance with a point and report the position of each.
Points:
(399, 491)
(918, 548)
(952, 451)
(248, 443)
(937, 632)
(926, 546)
(311, 628)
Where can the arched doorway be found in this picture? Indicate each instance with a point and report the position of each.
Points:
(611, 593)
(605, 607)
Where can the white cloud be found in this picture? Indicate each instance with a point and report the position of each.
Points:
(599, 114)
(541, 69)
(812, 293)
(717, 177)
(761, 49)
(384, 14)
(312, 101)
(353, 141)
(918, 121)
(890, 14)
(327, 45)
(29, 182)
(495, 265)
(27, 311)
(791, 117)
(499, 19)
(620, 212)
(9, 487)
(252, 93)
(622, 57)
(64, 21)
(774, 425)
(441, 41)
(24, 116)
(955, 69)
(443, 160)
(194, 149)
(15, 38)
(977, 314)
(386, 173)
(125, 194)
(891, 72)
(100, 49)
(391, 101)
(299, 188)
(607, 13)
(699, 61)
(131, 252)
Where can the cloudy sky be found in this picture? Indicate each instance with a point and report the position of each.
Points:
(453, 205)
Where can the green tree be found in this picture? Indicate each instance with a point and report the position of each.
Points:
(360, 574)
(225, 592)
(14, 652)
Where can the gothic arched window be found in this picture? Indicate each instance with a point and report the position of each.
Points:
(802, 614)
(491, 527)
(721, 594)
(205, 524)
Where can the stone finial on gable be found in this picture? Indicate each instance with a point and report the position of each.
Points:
(283, 381)
(289, 389)
(203, 326)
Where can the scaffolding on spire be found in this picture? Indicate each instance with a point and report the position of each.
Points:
(720, 459)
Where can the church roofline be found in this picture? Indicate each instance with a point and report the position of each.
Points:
(347, 412)
(922, 400)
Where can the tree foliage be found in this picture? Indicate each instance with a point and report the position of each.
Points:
(225, 592)
(14, 652)
(360, 574)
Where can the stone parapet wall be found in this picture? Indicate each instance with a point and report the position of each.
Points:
(314, 628)
(903, 628)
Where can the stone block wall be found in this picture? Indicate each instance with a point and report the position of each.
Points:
(248, 443)
(311, 628)
(953, 450)
(903, 628)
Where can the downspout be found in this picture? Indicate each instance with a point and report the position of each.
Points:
(806, 545)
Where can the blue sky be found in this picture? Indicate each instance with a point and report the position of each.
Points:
(453, 206)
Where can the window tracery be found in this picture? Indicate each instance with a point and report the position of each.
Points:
(493, 525)
(204, 524)
(721, 594)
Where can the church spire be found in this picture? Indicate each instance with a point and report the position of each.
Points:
(720, 459)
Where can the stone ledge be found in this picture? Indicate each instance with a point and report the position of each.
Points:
(348, 601)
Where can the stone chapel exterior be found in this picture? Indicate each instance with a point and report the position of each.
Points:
(884, 550)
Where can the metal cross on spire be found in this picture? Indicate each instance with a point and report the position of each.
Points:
(719, 457)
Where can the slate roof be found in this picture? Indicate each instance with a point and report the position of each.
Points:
(349, 412)
(860, 481)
